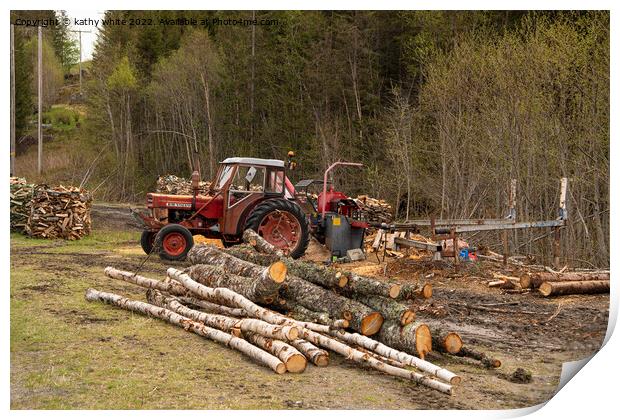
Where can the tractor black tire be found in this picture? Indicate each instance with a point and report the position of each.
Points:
(183, 237)
(147, 240)
(279, 204)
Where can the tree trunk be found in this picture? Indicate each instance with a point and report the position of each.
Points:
(225, 323)
(238, 344)
(252, 238)
(487, 361)
(413, 290)
(588, 287)
(389, 308)
(390, 353)
(322, 276)
(534, 280)
(317, 356)
(414, 338)
(301, 313)
(294, 361)
(261, 289)
(444, 340)
(363, 358)
(173, 288)
(360, 285)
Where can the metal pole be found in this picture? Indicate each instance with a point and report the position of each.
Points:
(80, 32)
(40, 99)
(12, 100)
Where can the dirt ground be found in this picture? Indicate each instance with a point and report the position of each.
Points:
(67, 353)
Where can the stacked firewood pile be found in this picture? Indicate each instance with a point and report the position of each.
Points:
(21, 196)
(172, 184)
(375, 210)
(59, 212)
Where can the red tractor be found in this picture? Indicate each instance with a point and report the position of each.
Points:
(247, 193)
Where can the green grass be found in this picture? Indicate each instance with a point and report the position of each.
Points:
(61, 117)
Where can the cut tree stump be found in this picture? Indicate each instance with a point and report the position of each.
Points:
(587, 287)
(534, 280)
(221, 337)
(414, 338)
(294, 360)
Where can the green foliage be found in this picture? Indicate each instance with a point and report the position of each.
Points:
(65, 45)
(61, 118)
(123, 77)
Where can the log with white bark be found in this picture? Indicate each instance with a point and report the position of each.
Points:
(225, 323)
(363, 319)
(414, 338)
(413, 290)
(322, 276)
(488, 362)
(587, 287)
(212, 308)
(534, 280)
(229, 340)
(317, 356)
(259, 289)
(364, 358)
(403, 357)
(173, 288)
(252, 238)
(294, 360)
(389, 308)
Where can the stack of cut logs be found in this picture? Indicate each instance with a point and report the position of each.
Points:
(59, 212)
(375, 210)
(172, 184)
(282, 312)
(557, 284)
(21, 195)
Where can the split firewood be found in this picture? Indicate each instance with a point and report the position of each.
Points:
(374, 210)
(259, 289)
(294, 360)
(21, 198)
(360, 357)
(534, 280)
(225, 323)
(212, 308)
(322, 276)
(414, 338)
(317, 356)
(172, 184)
(229, 340)
(389, 308)
(393, 354)
(587, 287)
(412, 290)
(488, 362)
(260, 244)
(363, 319)
(172, 287)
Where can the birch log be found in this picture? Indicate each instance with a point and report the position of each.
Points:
(252, 238)
(238, 344)
(414, 338)
(212, 308)
(587, 287)
(317, 356)
(259, 289)
(294, 360)
(534, 280)
(364, 358)
(403, 357)
(173, 288)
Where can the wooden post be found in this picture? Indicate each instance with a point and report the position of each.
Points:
(12, 100)
(80, 36)
(557, 235)
(40, 100)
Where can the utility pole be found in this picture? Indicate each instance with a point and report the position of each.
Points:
(80, 38)
(12, 99)
(40, 99)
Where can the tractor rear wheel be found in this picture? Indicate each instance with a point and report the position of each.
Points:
(146, 241)
(174, 242)
(283, 224)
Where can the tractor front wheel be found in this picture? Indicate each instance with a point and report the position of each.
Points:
(283, 224)
(174, 242)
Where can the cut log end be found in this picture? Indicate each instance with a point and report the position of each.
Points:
(423, 340)
(342, 279)
(525, 281)
(427, 291)
(293, 333)
(453, 343)
(455, 380)
(371, 323)
(280, 368)
(278, 271)
(395, 290)
(296, 363)
(322, 360)
(495, 363)
(347, 315)
(545, 289)
(407, 317)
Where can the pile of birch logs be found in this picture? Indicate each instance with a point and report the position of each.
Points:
(557, 284)
(375, 210)
(59, 212)
(280, 342)
(172, 184)
(21, 196)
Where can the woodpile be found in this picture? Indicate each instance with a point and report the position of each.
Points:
(59, 212)
(172, 184)
(21, 196)
(375, 210)
(566, 283)
(284, 313)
